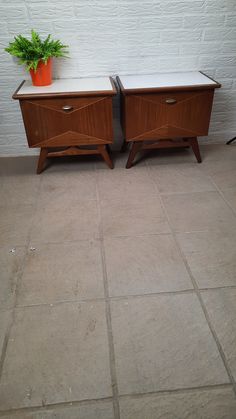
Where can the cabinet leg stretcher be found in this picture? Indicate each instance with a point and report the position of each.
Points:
(102, 150)
(138, 146)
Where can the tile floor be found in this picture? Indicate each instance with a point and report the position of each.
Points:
(119, 298)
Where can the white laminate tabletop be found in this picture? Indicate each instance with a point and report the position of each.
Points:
(191, 78)
(68, 86)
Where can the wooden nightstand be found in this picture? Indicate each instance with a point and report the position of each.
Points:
(69, 117)
(165, 110)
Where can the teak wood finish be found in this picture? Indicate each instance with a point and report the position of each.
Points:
(65, 124)
(165, 117)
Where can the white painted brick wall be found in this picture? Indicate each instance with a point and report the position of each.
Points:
(110, 37)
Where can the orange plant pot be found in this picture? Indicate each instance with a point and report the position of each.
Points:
(43, 74)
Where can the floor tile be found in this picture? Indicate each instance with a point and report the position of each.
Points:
(170, 156)
(5, 320)
(56, 354)
(26, 165)
(199, 211)
(120, 159)
(180, 178)
(19, 190)
(67, 186)
(204, 404)
(222, 172)
(62, 272)
(15, 223)
(211, 257)
(65, 223)
(10, 263)
(73, 164)
(125, 216)
(90, 410)
(211, 152)
(230, 196)
(144, 265)
(125, 183)
(221, 307)
(163, 342)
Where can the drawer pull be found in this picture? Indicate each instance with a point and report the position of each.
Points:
(170, 101)
(67, 108)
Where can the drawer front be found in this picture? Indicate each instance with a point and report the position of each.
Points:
(166, 115)
(67, 121)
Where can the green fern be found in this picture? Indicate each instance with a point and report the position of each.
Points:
(30, 52)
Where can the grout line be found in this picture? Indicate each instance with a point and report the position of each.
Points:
(212, 191)
(98, 239)
(56, 303)
(18, 278)
(222, 195)
(168, 233)
(5, 343)
(58, 406)
(200, 299)
(64, 242)
(87, 402)
(110, 341)
(223, 287)
(187, 192)
(114, 384)
(150, 295)
(120, 297)
(177, 390)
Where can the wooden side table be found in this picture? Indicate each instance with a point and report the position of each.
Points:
(165, 110)
(69, 117)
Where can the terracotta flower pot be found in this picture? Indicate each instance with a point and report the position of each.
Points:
(43, 74)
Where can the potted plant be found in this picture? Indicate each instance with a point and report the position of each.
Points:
(36, 55)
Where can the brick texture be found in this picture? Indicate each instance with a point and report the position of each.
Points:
(110, 37)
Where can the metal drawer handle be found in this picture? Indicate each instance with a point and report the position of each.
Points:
(67, 108)
(170, 101)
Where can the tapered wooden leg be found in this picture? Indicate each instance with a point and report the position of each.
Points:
(103, 151)
(124, 147)
(136, 146)
(42, 158)
(195, 147)
(108, 148)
